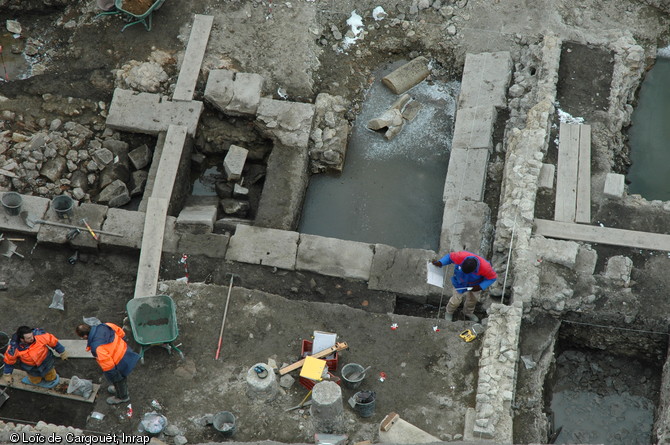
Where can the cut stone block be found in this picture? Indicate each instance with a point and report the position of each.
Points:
(124, 222)
(288, 123)
(146, 113)
(474, 127)
(140, 157)
(555, 251)
(407, 76)
(466, 225)
(269, 247)
(486, 77)
(466, 176)
(619, 268)
(546, 179)
(404, 432)
(234, 93)
(197, 219)
(585, 263)
(334, 257)
(402, 271)
(234, 161)
(211, 245)
(614, 185)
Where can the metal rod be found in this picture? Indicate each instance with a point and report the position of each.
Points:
(223, 322)
(70, 226)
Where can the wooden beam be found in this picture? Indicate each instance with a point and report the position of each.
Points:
(583, 212)
(566, 177)
(602, 235)
(59, 390)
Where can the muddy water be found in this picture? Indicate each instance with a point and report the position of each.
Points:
(390, 192)
(649, 134)
(12, 66)
(599, 398)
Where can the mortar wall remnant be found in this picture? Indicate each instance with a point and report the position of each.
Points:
(497, 373)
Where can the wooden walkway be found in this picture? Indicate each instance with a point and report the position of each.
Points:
(59, 390)
(573, 180)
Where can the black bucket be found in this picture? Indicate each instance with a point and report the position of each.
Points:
(12, 201)
(224, 423)
(62, 205)
(364, 403)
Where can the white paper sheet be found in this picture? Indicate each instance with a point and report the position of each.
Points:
(434, 275)
(323, 340)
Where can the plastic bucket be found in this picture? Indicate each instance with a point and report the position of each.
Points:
(364, 403)
(4, 342)
(62, 205)
(349, 370)
(224, 423)
(12, 201)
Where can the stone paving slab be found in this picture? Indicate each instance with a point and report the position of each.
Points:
(474, 127)
(211, 245)
(486, 77)
(466, 176)
(147, 113)
(555, 251)
(95, 215)
(151, 249)
(334, 257)
(127, 223)
(402, 271)
(36, 208)
(288, 123)
(466, 225)
(269, 247)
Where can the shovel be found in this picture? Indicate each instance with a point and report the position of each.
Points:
(8, 248)
(357, 375)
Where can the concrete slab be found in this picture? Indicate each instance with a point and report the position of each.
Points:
(546, 179)
(148, 113)
(195, 52)
(615, 185)
(486, 77)
(466, 176)
(127, 223)
(236, 94)
(404, 432)
(402, 271)
(474, 127)
(334, 257)
(286, 180)
(288, 123)
(197, 219)
(169, 162)
(466, 225)
(75, 348)
(211, 245)
(269, 247)
(35, 206)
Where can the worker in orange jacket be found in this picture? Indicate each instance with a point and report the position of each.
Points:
(29, 348)
(107, 344)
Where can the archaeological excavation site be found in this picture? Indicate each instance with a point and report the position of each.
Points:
(334, 222)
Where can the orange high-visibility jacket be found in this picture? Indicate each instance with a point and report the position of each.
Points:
(109, 354)
(35, 353)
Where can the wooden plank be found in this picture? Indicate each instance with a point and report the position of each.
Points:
(583, 208)
(59, 390)
(195, 52)
(602, 235)
(169, 162)
(326, 352)
(566, 178)
(75, 348)
(152, 248)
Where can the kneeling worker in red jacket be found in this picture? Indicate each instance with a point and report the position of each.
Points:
(107, 344)
(29, 349)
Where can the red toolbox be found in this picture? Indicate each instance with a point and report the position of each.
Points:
(307, 350)
(309, 383)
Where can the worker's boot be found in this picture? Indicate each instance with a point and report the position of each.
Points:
(473, 317)
(116, 400)
(111, 389)
(120, 391)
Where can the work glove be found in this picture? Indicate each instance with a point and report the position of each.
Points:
(436, 263)
(7, 379)
(476, 288)
(64, 355)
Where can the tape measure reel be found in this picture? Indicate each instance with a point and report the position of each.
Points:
(469, 335)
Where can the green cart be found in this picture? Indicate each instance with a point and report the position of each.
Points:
(144, 18)
(154, 323)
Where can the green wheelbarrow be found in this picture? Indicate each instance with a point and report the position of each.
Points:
(154, 323)
(144, 18)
